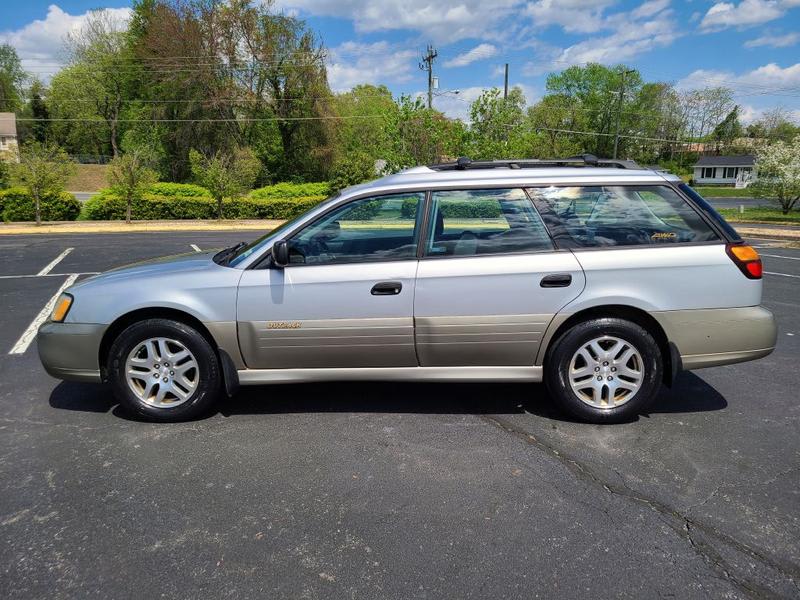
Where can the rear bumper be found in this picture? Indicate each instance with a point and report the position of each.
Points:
(70, 351)
(722, 336)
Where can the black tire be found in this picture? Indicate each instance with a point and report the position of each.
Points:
(209, 376)
(557, 368)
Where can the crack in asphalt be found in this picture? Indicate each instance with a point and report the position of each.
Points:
(684, 525)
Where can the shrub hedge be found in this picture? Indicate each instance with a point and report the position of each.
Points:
(292, 190)
(486, 209)
(106, 206)
(17, 205)
(163, 188)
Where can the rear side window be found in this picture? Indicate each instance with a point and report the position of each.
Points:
(703, 204)
(602, 216)
(480, 222)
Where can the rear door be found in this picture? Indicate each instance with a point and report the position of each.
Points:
(490, 280)
(345, 299)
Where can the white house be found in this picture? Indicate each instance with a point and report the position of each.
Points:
(8, 135)
(725, 170)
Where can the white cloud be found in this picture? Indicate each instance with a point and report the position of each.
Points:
(440, 22)
(747, 13)
(479, 52)
(774, 41)
(650, 26)
(352, 63)
(582, 16)
(770, 78)
(40, 43)
(456, 106)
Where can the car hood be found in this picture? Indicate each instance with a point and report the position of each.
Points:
(156, 267)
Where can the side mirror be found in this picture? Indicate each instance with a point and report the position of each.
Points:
(280, 253)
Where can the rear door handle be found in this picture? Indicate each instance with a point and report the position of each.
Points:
(386, 288)
(556, 280)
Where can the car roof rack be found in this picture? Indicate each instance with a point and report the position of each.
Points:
(463, 163)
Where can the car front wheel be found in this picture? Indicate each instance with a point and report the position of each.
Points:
(164, 370)
(604, 370)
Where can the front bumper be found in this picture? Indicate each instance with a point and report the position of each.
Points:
(70, 351)
(721, 336)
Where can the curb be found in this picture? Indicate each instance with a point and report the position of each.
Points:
(72, 227)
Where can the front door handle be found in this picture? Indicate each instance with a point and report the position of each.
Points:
(556, 280)
(386, 288)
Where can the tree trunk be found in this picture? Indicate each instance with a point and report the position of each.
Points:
(128, 210)
(37, 208)
(219, 208)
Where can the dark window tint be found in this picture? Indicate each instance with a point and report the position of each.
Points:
(709, 211)
(366, 230)
(592, 216)
(477, 222)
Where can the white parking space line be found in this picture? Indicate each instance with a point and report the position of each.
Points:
(782, 274)
(27, 337)
(195, 248)
(55, 261)
(779, 256)
(48, 275)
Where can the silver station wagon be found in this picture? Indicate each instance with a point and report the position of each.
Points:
(598, 277)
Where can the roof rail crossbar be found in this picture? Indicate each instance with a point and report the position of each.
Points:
(584, 160)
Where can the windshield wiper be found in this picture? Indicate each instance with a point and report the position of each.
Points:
(224, 256)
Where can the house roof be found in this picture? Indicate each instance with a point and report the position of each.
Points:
(8, 124)
(740, 160)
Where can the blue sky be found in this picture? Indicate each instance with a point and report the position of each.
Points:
(752, 46)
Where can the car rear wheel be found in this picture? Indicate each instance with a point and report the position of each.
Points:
(164, 370)
(604, 370)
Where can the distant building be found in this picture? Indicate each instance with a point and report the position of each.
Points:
(737, 170)
(8, 136)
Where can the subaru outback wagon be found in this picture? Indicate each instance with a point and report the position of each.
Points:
(598, 277)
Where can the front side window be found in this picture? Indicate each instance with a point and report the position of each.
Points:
(592, 216)
(371, 229)
(478, 222)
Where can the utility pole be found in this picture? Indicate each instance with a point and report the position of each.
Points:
(426, 64)
(505, 84)
(619, 108)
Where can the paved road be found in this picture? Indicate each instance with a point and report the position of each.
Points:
(392, 490)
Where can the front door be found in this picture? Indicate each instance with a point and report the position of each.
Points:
(490, 281)
(346, 297)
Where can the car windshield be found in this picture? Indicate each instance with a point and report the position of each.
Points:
(257, 245)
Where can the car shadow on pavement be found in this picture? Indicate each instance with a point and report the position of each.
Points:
(689, 394)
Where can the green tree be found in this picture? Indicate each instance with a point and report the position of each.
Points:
(496, 124)
(551, 122)
(12, 78)
(225, 175)
(778, 168)
(355, 167)
(726, 132)
(129, 175)
(42, 169)
(605, 94)
(422, 135)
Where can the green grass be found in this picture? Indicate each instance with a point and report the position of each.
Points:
(722, 192)
(760, 215)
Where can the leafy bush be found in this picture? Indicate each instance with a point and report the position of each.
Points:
(351, 170)
(471, 210)
(190, 190)
(291, 190)
(17, 205)
(108, 207)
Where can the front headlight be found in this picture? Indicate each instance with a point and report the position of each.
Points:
(61, 308)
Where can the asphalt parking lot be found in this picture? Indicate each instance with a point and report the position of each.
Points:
(386, 490)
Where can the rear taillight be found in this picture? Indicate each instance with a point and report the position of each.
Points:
(746, 258)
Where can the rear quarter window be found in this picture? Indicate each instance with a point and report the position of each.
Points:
(606, 216)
